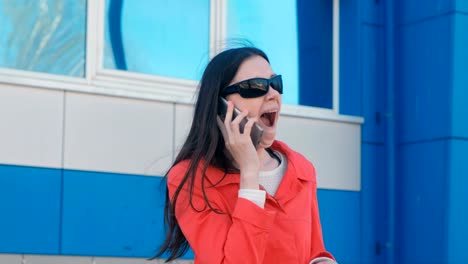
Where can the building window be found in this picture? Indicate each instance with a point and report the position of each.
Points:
(315, 44)
(158, 49)
(43, 36)
(298, 38)
(164, 38)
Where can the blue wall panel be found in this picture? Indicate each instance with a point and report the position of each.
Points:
(461, 6)
(409, 11)
(422, 203)
(107, 214)
(350, 59)
(30, 210)
(373, 12)
(374, 203)
(112, 214)
(460, 79)
(458, 202)
(340, 218)
(373, 85)
(424, 77)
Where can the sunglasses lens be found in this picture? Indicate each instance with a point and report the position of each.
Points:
(277, 84)
(256, 88)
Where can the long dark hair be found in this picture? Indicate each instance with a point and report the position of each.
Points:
(204, 141)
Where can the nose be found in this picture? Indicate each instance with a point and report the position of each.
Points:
(271, 94)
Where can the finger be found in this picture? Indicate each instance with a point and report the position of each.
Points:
(227, 122)
(248, 126)
(235, 124)
(229, 111)
(222, 127)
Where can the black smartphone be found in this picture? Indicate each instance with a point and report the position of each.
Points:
(256, 132)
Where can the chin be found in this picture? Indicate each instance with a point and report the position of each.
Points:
(264, 145)
(267, 140)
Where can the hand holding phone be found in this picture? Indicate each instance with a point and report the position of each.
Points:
(256, 132)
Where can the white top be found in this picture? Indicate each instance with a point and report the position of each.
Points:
(270, 181)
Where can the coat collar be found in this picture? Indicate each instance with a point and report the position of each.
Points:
(298, 169)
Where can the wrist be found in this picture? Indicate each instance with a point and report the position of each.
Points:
(249, 180)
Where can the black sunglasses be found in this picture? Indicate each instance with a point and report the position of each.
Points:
(254, 87)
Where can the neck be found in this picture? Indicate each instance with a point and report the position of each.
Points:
(266, 160)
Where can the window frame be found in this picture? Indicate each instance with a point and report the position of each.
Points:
(144, 86)
(98, 80)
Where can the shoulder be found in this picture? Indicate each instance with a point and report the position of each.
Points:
(178, 173)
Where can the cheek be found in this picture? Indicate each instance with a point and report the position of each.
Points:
(256, 105)
(251, 105)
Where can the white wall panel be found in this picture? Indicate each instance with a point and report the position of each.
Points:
(43, 259)
(119, 135)
(137, 261)
(333, 147)
(102, 260)
(31, 126)
(11, 259)
(183, 122)
(51, 259)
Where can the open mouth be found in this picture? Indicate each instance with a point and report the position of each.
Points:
(268, 118)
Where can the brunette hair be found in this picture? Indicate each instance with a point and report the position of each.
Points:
(204, 142)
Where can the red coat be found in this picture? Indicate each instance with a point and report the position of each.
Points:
(287, 231)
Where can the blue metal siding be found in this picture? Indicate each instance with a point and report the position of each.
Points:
(460, 77)
(422, 202)
(109, 214)
(341, 224)
(373, 86)
(362, 93)
(30, 210)
(374, 201)
(461, 6)
(373, 12)
(424, 80)
(410, 11)
(457, 202)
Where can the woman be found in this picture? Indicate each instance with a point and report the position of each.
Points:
(232, 202)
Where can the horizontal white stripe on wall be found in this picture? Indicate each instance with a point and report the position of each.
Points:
(31, 126)
(118, 135)
(48, 128)
(333, 147)
(11, 259)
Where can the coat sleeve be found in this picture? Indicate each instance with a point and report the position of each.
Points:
(239, 236)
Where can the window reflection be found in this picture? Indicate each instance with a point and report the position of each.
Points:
(44, 36)
(166, 38)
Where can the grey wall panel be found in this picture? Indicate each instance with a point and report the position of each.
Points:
(31, 125)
